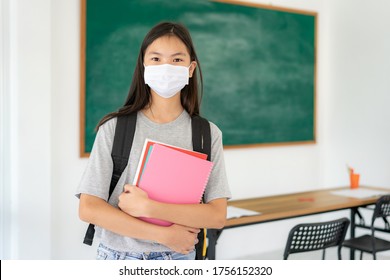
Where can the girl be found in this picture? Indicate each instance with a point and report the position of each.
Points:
(164, 94)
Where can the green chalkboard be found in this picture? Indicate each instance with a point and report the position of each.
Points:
(258, 64)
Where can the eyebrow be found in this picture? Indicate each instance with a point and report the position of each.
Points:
(175, 54)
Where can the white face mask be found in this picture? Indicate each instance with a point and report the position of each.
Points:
(166, 79)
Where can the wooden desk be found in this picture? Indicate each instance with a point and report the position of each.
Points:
(279, 207)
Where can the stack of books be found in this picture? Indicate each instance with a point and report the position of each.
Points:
(170, 174)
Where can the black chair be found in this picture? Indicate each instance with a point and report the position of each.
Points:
(316, 236)
(369, 243)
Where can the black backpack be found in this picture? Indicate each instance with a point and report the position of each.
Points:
(123, 141)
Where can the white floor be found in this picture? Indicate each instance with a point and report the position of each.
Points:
(331, 254)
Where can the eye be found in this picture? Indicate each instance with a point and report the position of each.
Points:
(177, 60)
(154, 58)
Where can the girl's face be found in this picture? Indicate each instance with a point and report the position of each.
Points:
(169, 50)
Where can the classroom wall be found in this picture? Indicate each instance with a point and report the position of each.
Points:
(44, 127)
(27, 92)
(357, 130)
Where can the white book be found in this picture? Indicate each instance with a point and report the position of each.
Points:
(360, 193)
(236, 212)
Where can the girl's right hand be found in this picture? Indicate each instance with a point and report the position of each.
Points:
(181, 239)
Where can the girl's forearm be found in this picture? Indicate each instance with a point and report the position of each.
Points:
(98, 212)
(210, 215)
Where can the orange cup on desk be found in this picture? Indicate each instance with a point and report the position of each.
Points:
(354, 180)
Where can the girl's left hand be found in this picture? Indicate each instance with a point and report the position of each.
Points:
(134, 201)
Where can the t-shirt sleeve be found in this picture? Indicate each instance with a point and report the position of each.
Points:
(217, 186)
(97, 175)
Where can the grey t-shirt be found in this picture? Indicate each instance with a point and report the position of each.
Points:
(97, 176)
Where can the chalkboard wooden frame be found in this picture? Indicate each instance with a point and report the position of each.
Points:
(310, 139)
(83, 21)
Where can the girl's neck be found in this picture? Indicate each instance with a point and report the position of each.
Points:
(162, 110)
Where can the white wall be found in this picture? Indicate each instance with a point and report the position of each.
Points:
(4, 113)
(29, 97)
(357, 131)
(46, 119)
(68, 230)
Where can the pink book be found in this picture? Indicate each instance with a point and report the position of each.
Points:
(147, 145)
(171, 176)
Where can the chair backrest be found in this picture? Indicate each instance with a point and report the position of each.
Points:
(316, 236)
(382, 209)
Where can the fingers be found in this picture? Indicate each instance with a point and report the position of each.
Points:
(187, 252)
(181, 239)
(191, 248)
(193, 230)
(189, 229)
(128, 188)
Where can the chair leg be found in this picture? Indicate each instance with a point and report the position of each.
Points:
(361, 255)
(323, 254)
(339, 252)
(374, 255)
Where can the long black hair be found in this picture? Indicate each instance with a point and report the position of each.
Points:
(139, 95)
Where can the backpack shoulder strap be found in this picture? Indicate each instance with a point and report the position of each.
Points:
(201, 141)
(201, 135)
(123, 141)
